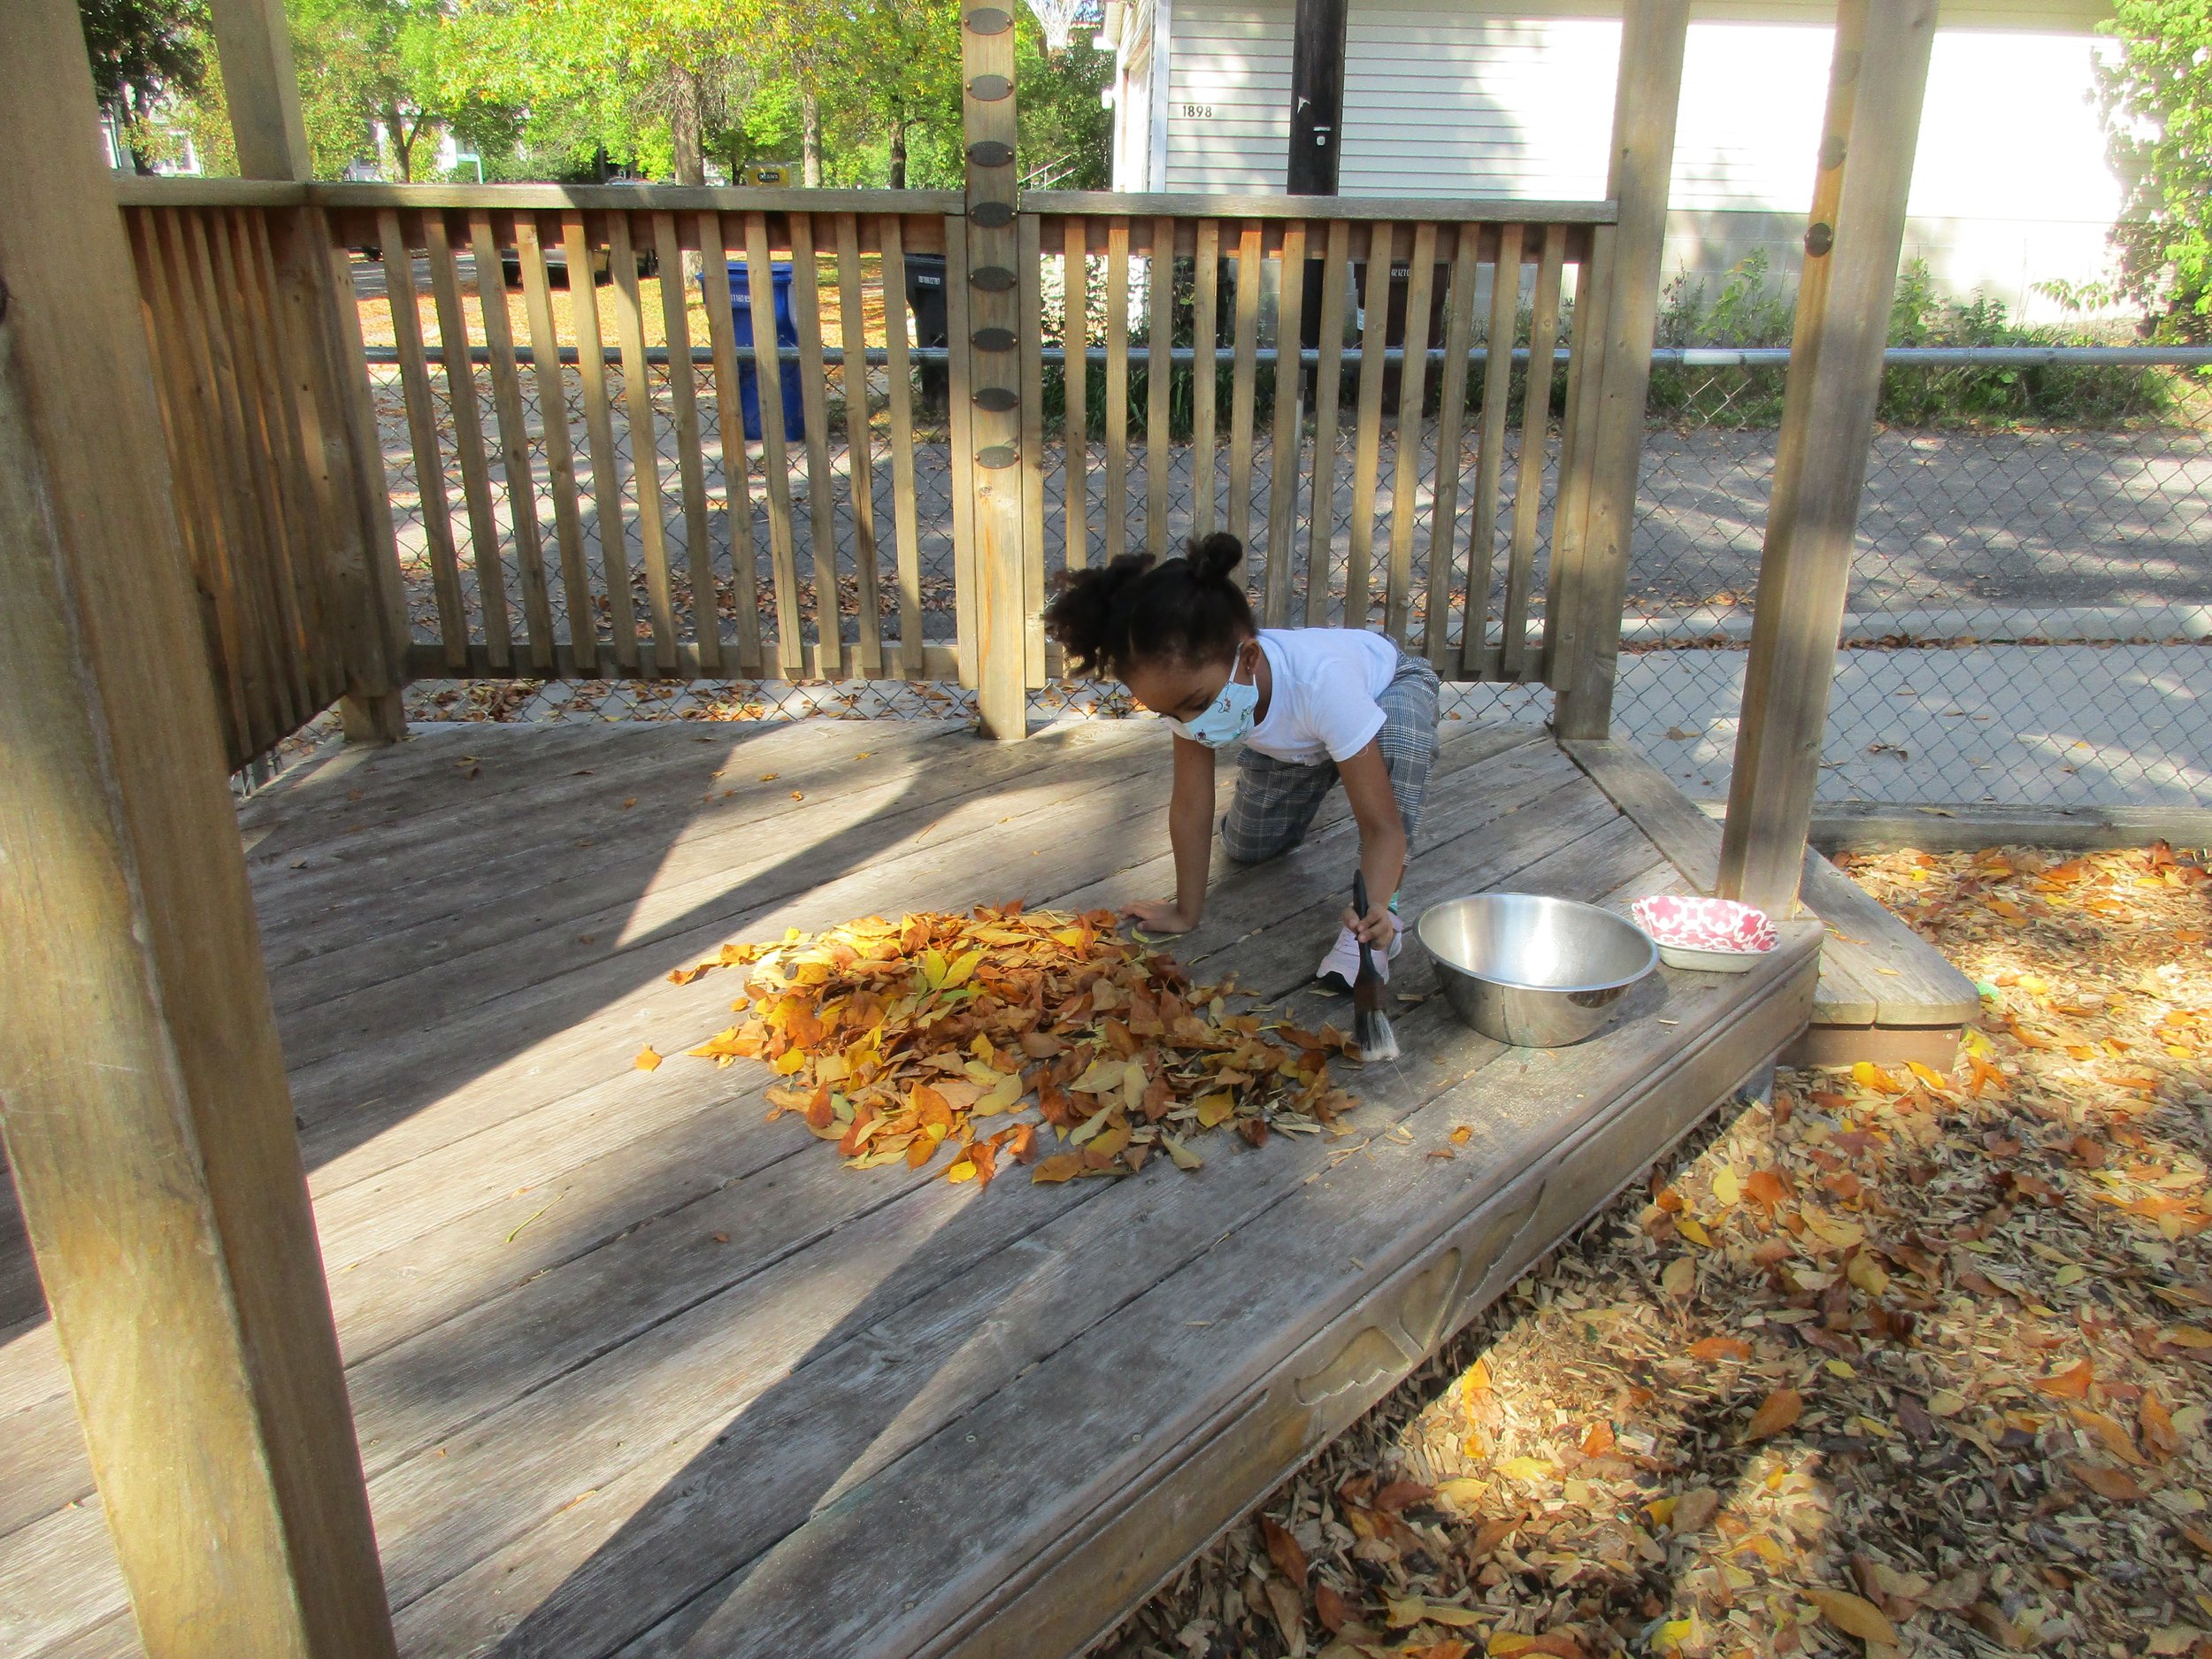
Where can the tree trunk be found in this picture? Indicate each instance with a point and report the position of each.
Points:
(691, 159)
(811, 140)
(683, 123)
(402, 144)
(898, 154)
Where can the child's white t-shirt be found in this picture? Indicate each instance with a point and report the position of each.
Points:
(1323, 705)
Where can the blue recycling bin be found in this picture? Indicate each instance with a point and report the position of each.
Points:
(787, 334)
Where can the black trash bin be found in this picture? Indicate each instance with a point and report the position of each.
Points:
(1393, 320)
(925, 293)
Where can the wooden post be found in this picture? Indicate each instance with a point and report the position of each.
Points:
(1317, 98)
(993, 382)
(1856, 232)
(254, 44)
(144, 1109)
(1587, 631)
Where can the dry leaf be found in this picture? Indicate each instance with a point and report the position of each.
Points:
(1283, 1550)
(1691, 1511)
(647, 1059)
(1679, 1279)
(1778, 1411)
(1331, 1609)
(1854, 1614)
(2156, 1426)
(2070, 1384)
(2106, 1481)
(1712, 1347)
(1290, 1614)
(1060, 1167)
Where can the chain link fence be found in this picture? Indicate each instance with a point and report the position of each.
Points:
(2028, 620)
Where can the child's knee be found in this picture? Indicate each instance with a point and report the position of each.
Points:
(1249, 843)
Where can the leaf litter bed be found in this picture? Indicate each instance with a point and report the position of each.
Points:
(1002, 1033)
(1900, 1363)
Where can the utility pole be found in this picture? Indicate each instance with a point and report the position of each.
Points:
(1317, 98)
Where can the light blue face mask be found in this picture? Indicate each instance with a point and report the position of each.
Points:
(1227, 718)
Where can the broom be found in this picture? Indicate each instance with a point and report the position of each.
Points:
(1371, 1027)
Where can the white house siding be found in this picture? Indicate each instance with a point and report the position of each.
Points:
(2012, 186)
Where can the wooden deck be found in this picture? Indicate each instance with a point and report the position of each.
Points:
(639, 1373)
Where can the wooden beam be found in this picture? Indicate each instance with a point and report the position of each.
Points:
(1587, 631)
(253, 44)
(993, 384)
(145, 1111)
(1866, 161)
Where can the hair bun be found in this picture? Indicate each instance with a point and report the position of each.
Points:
(1083, 615)
(1212, 558)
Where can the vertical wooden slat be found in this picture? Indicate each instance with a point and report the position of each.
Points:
(1159, 378)
(201, 514)
(1205, 303)
(903, 515)
(1459, 333)
(1367, 433)
(1031, 329)
(347, 626)
(860, 461)
(273, 444)
(1413, 385)
(193, 340)
(1528, 489)
(560, 454)
(1647, 103)
(775, 462)
(468, 444)
(514, 438)
(422, 431)
(1482, 536)
(821, 486)
(275, 714)
(645, 455)
(606, 478)
(737, 489)
(960, 392)
(1243, 384)
(1327, 389)
(1075, 289)
(1286, 433)
(1585, 381)
(691, 462)
(1116, 387)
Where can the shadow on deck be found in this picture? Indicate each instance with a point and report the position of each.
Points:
(636, 1372)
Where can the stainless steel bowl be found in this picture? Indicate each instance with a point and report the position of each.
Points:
(1536, 972)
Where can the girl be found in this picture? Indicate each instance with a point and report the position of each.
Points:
(1311, 705)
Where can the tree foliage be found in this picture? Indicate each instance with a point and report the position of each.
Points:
(2157, 90)
(142, 52)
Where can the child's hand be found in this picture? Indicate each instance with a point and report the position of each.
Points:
(1378, 927)
(1159, 916)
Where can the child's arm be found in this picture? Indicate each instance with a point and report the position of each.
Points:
(1382, 842)
(1190, 828)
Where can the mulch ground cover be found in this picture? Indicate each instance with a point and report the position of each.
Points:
(1900, 1363)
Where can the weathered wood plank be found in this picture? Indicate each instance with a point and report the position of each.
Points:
(645, 462)
(903, 514)
(514, 442)
(560, 453)
(1075, 294)
(1497, 379)
(1459, 333)
(1205, 373)
(775, 463)
(860, 460)
(1412, 395)
(1116, 389)
(691, 467)
(729, 410)
(1327, 396)
(1367, 425)
(1528, 487)
(468, 441)
(1285, 433)
(821, 483)
(606, 480)
(1244, 384)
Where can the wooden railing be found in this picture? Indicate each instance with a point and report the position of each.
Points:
(398, 489)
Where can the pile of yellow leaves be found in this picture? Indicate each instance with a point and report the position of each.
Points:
(999, 1034)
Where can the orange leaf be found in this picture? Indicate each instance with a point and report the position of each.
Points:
(1854, 1614)
(1778, 1411)
(1060, 1167)
(1713, 1347)
(1766, 1189)
(647, 1059)
(1599, 1440)
(1283, 1550)
(1331, 1609)
(1401, 1495)
(2107, 1481)
(2156, 1427)
(2070, 1384)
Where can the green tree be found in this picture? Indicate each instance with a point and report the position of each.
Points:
(2157, 93)
(144, 52)
(370, 68)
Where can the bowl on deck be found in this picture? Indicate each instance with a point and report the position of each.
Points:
(1536, 972)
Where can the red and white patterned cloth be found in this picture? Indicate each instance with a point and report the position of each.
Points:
(1696, 924)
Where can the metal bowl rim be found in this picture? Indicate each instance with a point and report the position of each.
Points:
(1651, 959)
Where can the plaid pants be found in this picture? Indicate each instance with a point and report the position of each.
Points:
(1275, 799)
